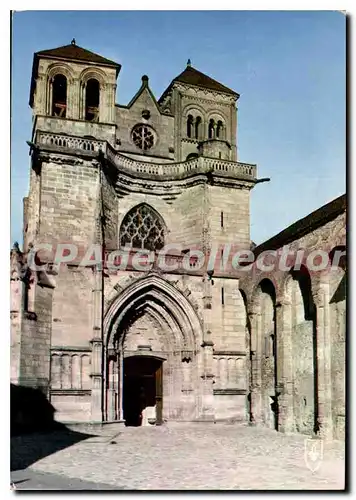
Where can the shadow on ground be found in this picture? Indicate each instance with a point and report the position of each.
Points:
(34, 432)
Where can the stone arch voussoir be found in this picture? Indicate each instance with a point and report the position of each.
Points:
(173, 302)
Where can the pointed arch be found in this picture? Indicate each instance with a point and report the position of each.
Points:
(165, 300)
(143, 228)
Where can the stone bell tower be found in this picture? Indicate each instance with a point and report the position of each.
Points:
(72, 93)
(206, 115)
(206, 127)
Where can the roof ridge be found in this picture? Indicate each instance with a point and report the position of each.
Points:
(305, 224)
(73, 51)
(203, 80)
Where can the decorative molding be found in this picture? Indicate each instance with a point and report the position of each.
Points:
(85, 349)
(201, 93)
(70, 392)
(60, 159)
(229, 353)
(229, 392)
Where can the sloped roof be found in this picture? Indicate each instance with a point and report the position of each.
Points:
(73, 51)
(305, 225)
(192, 76)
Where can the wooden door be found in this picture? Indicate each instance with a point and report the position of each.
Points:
(159, 396)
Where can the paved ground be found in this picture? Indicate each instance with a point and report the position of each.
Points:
(185, 457)
(30, 480)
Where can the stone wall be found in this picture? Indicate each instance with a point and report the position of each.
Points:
(162, 125)
(207, 105)
(69, 201)
(310, 326)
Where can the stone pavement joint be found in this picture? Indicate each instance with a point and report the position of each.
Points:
(198, 457)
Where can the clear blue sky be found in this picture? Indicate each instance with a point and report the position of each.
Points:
(289, 68)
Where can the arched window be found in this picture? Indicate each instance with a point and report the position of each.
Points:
(197, 127)
(219, 130)
(143, 228)
(191, 156)
(92, 96)
(59, 96)
(211, 130)
(190, 126)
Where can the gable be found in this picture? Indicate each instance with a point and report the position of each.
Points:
(144, 98)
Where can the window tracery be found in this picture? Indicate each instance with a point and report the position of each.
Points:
(143, 228)
(143, 137)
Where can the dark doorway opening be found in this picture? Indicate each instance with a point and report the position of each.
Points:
(142, 389)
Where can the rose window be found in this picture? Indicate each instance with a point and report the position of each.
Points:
(143, 228)
(143, 137)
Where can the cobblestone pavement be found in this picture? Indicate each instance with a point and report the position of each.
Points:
(196, 456)
(30, 480)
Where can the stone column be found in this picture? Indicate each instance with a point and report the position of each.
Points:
(285, 366)
(207, 410)
(207, 376)
(17, 290)
(111, 102)
(70, 98)
(323, 357)
(96, 377)
(50, 97)
(82, 101)
(256, 373)
(112, 388)
(76, 91)
(41, 94)
(97, 346)
(121, 386)
(103, 103)
(233, 136)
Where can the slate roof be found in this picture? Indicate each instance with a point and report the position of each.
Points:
(304, 226)
(73, 51)
(192, 76)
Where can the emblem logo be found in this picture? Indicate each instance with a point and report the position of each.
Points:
(313, 453)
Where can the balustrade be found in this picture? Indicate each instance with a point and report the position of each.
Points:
(165, 170)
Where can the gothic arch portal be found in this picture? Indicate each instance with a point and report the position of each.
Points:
(170, 321)
(154, 292)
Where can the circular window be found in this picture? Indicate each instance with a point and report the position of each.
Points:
(143, 137)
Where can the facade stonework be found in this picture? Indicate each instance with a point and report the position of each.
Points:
(152, 345)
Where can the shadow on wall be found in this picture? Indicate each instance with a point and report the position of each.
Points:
(34, 432)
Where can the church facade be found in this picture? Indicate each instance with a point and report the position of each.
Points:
(165, 326)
